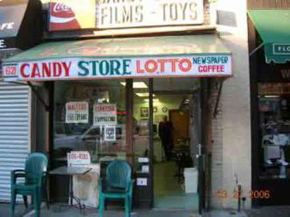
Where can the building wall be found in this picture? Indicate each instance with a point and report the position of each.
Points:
(231, 133)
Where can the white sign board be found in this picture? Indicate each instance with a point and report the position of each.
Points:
(110, 133)
(77, 112)
(105, 114)
(137, 13)
(142, 67)
(77, 158)
(141, 181)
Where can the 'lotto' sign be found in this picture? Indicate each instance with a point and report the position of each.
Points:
(95, 68)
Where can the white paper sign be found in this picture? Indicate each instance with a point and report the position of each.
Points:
(145, 169)
(77, 112)
(143, 159)
(142, 181)
(105, 114)
(77, 158)
(110, 133)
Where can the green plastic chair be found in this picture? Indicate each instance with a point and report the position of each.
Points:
(117, 185)
(34, 178)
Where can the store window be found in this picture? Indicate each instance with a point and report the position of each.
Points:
(90, 116)
(274, 110)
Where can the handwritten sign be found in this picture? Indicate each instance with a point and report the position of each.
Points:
(77, 112)
(105, 114)
(77, 158)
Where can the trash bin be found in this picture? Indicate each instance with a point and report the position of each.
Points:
(190, 180)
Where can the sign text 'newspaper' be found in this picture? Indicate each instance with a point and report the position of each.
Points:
(142, 67)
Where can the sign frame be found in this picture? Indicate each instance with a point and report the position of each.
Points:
(129, 67)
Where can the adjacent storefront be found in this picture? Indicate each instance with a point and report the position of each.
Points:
(15, 137)
(270, 72)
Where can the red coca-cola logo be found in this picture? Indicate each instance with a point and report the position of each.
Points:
(59, 7)
(62, 17)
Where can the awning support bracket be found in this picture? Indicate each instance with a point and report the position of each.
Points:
(215, 112)
(256, 49)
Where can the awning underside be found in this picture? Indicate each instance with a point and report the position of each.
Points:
(274, 29)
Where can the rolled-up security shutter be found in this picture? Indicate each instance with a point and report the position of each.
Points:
(14, 132)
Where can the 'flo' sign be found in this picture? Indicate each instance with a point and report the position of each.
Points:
(95, 68)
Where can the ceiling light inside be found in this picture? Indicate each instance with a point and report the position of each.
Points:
(154, 100)
(144, 94)
(136, 84)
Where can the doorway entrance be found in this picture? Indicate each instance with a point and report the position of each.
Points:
(174, 144)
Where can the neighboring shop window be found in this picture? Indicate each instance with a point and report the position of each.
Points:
(274, 109)
(90, 116)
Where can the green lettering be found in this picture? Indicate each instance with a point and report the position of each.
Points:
(126, 64)
(94, 67)
(104, 67)
(81, 65)
(115, 67)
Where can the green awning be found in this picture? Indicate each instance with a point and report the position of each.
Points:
(166, 56)
(273, 27)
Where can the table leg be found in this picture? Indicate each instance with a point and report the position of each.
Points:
(72, 197)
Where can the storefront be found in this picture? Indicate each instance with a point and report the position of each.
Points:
(124, 87)
(108, 79)
(19, 30)
(270, 105)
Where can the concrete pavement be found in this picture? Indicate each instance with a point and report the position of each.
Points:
(274, 211)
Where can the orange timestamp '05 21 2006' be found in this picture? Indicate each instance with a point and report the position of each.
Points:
(252, 194)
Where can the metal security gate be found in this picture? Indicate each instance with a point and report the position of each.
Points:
(14, 132)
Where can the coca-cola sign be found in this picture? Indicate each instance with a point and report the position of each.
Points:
(71, 15)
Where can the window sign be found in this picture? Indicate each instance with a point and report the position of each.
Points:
(110, 133)
(78, 158)
(105, 114)
(77, 112)
(137, 13)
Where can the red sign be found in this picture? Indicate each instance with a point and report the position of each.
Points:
(71, 15)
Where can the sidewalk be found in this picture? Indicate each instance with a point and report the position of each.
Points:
(271, 211)
(274, 211)
(73, 212)
(90, 212)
